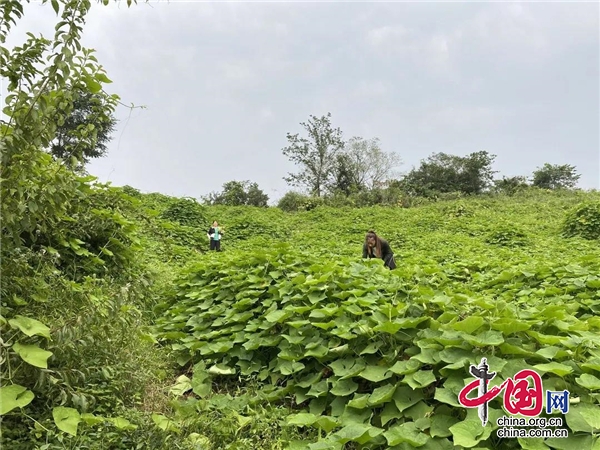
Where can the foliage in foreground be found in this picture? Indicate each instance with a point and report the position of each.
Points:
(377, 358)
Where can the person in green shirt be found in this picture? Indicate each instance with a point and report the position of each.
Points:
(214, 234)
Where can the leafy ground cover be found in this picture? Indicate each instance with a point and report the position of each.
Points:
(378, 359)
(287, 339)
(375, 359)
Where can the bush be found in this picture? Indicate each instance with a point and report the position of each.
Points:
(459, 209)
(85, 353)
(131, 191)
(291, 201)
(583, 221)
(510, 185)
(294, 201)
(99, 238)
(507, 236)
(185, 211)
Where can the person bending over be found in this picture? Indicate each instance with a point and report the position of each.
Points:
(214, 234)
(376, 247)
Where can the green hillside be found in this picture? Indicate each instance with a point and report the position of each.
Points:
(289, 315)
(121, 329)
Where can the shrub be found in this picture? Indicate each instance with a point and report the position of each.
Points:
(583, 221)
(131, 191)
(291, 201)
(459, 209)
(507, 236)
(185, 211)
(249, 227)
(294, 201)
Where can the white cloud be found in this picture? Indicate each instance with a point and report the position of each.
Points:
(370, 89)
(240, 72)
(506, 28)
(266, 113)
(459, 119)
(429, 49)
(437, 52)
(385, 35)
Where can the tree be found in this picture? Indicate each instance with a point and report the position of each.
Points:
(41, 77)
(441, 173)
(86, 130)
(256, 197)
(239, 193)
(476, 173)
(556, 177)
(343, 180)
(510, 185)
(316, 155)
(369, 165)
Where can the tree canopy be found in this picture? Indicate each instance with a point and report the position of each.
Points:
(239, 193)
(441, 173)
(316, 155)
(86, 129)
(555, 176)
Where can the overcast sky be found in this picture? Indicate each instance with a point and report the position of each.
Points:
(224, 82)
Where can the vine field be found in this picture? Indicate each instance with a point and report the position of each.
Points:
(287, 338)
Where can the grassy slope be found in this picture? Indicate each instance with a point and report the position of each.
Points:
(441, 231)
(496, 233)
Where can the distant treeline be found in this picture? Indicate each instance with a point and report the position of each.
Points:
(358, 172)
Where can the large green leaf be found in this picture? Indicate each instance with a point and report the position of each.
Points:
(571, 442)
(357, 432)
(327, 423)
(278, 315)
(440, 425)
(559, 369)
(469, 433)
(347, 367)
(420, 379)
(405, 397)
(221, 369)
(405, 367)
(382, 394)
(164, 423)
(343, 388)
(487, 338)
(445, 395)
(182, 385)
(32, 354)
(31, 327)
(14, 396)
(469, 325)
(66, 419)
(406, 432)
(302, 419)
(121, 423)
(589, 382)
(375, 373)
(592, 418)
